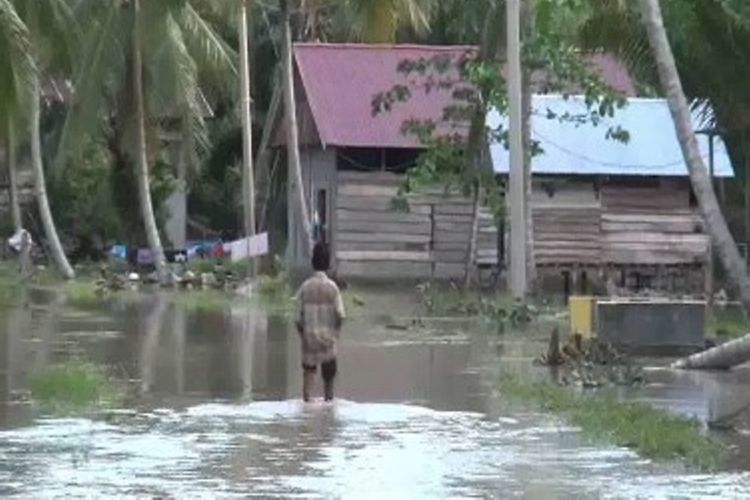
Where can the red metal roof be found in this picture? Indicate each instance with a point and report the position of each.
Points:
(340, 81)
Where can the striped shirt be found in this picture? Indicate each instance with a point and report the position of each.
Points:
(321, 312)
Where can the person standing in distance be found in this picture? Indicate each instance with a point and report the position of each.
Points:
(320, 316)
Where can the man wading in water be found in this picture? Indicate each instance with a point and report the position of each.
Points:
(321, 313)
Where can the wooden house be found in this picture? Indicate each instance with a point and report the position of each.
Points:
(354, 161)
(618, 211)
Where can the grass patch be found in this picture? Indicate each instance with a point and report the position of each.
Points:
(83, 294)
(9, 284)
(728, 323)
(441, 300)
(651, 432)
(74, 386)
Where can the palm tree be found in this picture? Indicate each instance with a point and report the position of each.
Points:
(16, 57)
(10, 152)
(45, 20)
(146, 87)
(669, 77)
(296, 190)
(142, 170)
(378, 21)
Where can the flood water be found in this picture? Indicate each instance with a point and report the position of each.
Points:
(215, 412)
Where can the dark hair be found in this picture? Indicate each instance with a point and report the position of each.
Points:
(321, 259)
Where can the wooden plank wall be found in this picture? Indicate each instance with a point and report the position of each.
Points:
(626, 224)
(651, 225)
(429, 240)
(567, 227)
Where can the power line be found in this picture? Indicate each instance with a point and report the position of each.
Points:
(589, 159)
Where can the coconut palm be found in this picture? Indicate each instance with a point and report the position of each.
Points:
(141, 89)
(49, 24)
(669, 77)
(16, 57)
(296, 188)
(378, 21)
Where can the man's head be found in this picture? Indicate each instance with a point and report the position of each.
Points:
(321, 260)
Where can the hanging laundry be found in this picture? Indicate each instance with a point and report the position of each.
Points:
(119, 252)
(176, 256)
(17, 240)
(145, 256)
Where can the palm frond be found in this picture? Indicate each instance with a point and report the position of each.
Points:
(211, 52)
(175, 67)
(101, 62)
(18, 40)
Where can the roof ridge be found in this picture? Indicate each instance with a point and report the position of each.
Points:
(384, 46)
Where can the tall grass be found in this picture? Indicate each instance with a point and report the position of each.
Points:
(728, 323)
(651, 432)
(446, 300)
(83, 294)
(74, 386)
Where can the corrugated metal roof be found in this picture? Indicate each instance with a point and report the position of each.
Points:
(583, 149)
(340, 81)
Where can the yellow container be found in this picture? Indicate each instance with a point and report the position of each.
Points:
(582, 316)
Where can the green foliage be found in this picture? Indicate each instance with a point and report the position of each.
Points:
(74, 386)
(214, 193)
(276, 293)
(729, 322)
(83, 294)
(437, 300)
(651, 432)
(81, 198)
(9, 285)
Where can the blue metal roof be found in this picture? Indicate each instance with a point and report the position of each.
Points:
(583, 149)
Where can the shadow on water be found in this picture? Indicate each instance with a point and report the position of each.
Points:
(213, 410)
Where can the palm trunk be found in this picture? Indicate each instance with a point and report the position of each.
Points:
(15, 203)
(527, 28)
(248, 181)
(142, 170)
(296, 187)
(722, 240)
(723, 357)
(746, 170)
(40, 188)
(263, 158)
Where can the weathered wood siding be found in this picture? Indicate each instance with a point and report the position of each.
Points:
(376, 239)
(566, 223)
(624, 223)
(318, 172)
(651, 225)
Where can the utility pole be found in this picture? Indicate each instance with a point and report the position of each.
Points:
(248, 181)
(516, 187)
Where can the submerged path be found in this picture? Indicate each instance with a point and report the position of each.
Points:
(217, 415)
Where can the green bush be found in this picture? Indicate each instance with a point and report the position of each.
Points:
(73, 386)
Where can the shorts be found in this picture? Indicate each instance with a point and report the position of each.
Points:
(328, 369)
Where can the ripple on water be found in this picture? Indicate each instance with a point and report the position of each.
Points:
(289, 449)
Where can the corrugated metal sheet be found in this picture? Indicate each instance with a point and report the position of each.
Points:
(340, 81)
(583, 149)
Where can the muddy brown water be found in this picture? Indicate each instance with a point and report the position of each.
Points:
(215, 412)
